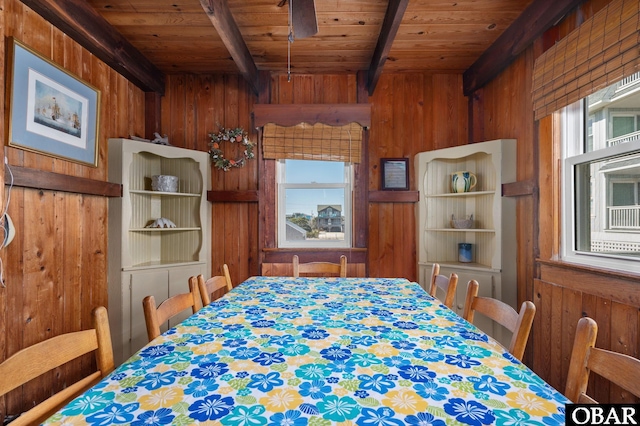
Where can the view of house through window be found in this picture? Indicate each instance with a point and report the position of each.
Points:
(601, 147)
(314, 203)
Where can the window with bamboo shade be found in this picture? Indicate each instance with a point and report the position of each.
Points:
(591, 81)
(313, 142)
(314, 133)
(603, 50)
(314, 207)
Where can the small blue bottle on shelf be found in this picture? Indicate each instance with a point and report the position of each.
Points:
(464, 252)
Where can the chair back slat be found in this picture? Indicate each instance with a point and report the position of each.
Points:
(36, 360)
(448, 285)
(156, 315)
(519, 323)
(621, 369)
(206, 288)
(618, 368)
(320, 268)
(33, 361)
(499, 311)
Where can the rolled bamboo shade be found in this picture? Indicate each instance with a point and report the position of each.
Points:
(313, 142)
(601, 51)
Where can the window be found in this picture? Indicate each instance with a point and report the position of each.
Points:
(624, 193)
(622, 124)
(314, 203)
(601, 202)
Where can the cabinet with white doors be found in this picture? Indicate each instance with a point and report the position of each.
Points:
(146, 258)
(492, 234)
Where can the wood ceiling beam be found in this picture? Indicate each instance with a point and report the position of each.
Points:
(222, 19)
(390, 25)
(88, 28)
(538, 17)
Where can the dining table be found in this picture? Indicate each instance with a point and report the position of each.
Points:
(320, 351)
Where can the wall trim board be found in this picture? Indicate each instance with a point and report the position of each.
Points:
(37, 179)
(248, 196)
(618, 286)
(520, 188)
(394, 196)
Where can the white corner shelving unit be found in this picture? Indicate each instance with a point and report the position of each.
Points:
(493, 236)
(153, 261)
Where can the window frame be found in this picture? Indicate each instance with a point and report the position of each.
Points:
(282, 186)
(573, 135)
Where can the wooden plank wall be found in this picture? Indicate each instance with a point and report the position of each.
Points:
(54, 269)
(411, 112)
(562, 293)
(503, 109)
(193, 107)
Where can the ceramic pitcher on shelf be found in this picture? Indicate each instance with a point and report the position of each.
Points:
(463, 181)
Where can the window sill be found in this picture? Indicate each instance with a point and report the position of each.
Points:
(284, 255)
(589, 269)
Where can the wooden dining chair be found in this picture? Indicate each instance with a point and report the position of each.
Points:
(447, 284)
(620, 369)
(155, 316)
(321, 269)
(206, 288)
(35, 360)
(518, 323)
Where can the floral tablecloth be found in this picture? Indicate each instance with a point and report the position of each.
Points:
(319, 351)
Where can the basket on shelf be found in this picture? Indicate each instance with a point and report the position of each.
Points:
(461, 223)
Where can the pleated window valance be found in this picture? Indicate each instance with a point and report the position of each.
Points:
(603, 50)
(313, 142)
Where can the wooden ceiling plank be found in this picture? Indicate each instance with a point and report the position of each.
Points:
(539, 16)
(390, 25)
(88, 28)
(146, 6)
(472, 5)
(434, 36)
(160, 19)
(222, 19)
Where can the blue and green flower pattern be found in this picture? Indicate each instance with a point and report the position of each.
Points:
(318, 351)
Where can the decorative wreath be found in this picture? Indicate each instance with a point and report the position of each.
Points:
(232, 136)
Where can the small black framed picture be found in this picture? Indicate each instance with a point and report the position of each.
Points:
(394, 174)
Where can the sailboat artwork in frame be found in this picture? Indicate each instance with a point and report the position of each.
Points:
(51, 111)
